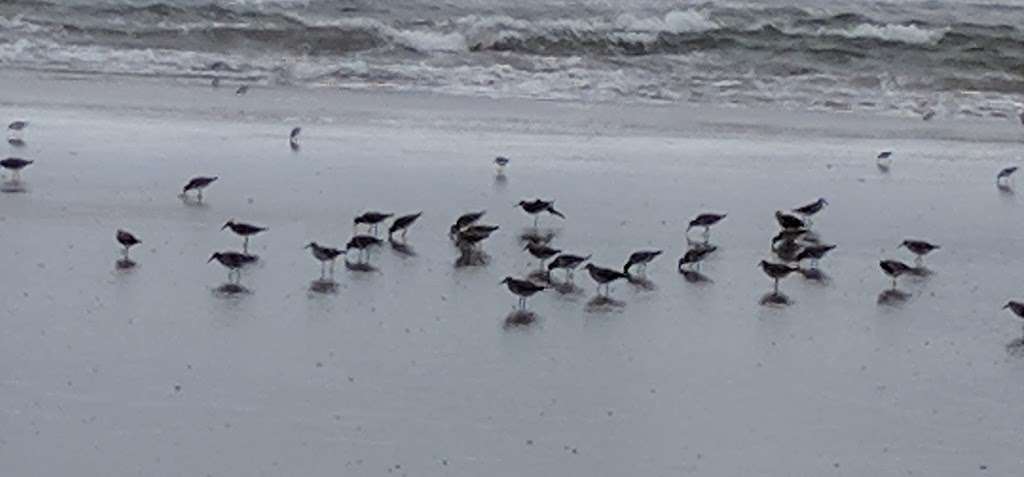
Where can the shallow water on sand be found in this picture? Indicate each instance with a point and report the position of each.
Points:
(409, 367)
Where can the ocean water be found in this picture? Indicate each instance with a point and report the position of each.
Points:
(947, 57)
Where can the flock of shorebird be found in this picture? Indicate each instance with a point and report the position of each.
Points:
(795, 243)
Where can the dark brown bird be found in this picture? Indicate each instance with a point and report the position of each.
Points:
(474, 234)
(813, 208)
(920, 248)
(233, 261)
(17, 125)
(814, 253)
(402, 224)
(1005, 173)
(640, 258)
(15, 165)
(244, 230)
(127, 240)
(567, 262)
(324, 255)
(604, 277)
(371, 220)
(536, 206)
(705, 220)
(465, 220)
(363, 243)
(894, 268)
(522, 288)
(695, 256)
(777, 271)
(198, 184)
(789, 222)
(541, 251)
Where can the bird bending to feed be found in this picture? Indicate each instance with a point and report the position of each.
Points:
(242, 90)
(536, 206)
(363, 243)
(324, 255)
(894, 268)
(294, 135)
(604, 277)
(920, 248)
(541, 252)
(813, 208)
(465, 220)
(522, 288)
(884, 156)
(695, 256)
(371, 220)
(567, 262)
(474, 234)
(127, 240)
(501, 162)
(244, 230)
(640, 258)
(1005, 173)
(814, 253)
(777, 271)
(233, 261)
(789, 222)
(15, 165)
(705, 220)
(197, 184)
(402, 224)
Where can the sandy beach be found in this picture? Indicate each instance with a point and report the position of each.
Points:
(409, 371)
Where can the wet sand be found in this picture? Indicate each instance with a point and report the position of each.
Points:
(411, 369)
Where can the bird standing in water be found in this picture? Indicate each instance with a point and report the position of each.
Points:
(371, 220)
(324, 255)
(15, 165)
(604, 277)
(500, 162)
(402, 224)
(465, 220)
(920, 248)
(894, 269)
(197, 184)
(641, 259)
(244, 230)
(363, 243)
(567, 262)
(705, 220)
(536, 206)
(694, 256)
(127, 240)
(522, 288)
(777, 271)
(1005, 175)
(541, 252)
(233, 261)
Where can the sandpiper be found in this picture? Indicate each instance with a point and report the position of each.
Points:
(244, 230)
(127, 240)
(293, 137)
(814, 253)
(402, 224)
(536, 206)
(242, 90)
(640, 258)
(920, 248)
(810, 209)
(233, 261)
(604, 277)
(567, 262)
(705, 220)
(894, 268)
(1005, 174)
(777, 271)
(371, 220)
(541, 251)
(465, 220)
(197, 184)
(884, 156)
(789, 222)
(522, 288)
(363, 243)
(694, 256)
(17, 125)
(474, 234)
(15, 165)
(324, 255)
(501, 162)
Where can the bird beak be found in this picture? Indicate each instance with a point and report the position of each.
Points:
(224, 227)
(211, 258)
(308, 245)
(1006, 306)
(901, 245)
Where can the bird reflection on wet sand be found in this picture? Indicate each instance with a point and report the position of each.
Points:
(642, 283)
(471, 257)
(520, 318)
(124, 264)
(230, 289)
(1015, 348)
(13, 187)
(893, 297)
(694, 276)
(402, 248)
(604, 304)
(17, 142)
(325, 286)
(815, 275)
(775, 299)
(537, 235)
(360, 266)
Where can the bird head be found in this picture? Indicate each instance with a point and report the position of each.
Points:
(213, 257)
(228, 224)
(762, 263)
(520, 204)
(1007, 305)
(823, 201)
(506, 280)
(902, 244)
(589, 266)
(310, 245)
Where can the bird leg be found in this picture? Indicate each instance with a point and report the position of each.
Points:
(245, 244)
(323, 269)
(199, 195)
(893, 283)
(536, 220)
(776, 286)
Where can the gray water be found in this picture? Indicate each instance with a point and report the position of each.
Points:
(953, 58)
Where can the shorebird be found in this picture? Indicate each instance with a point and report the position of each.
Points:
(884, 156)
(1016, 307)
(324, 255)
(814, 253)
(465, 220)
(536, 206)
(197, 184)
(777, 271)
(640, 258)
(928, 115)
(15, 165)
(1005, 174)
(920, 248)
(894, 268)
(541, 251)
(402, 224)
(293, 137)
(244, 230)
(810, 209)
(567, 262)
(233, 261)
(501, 162)
(695, 256)
(242, 90)
(789, 222)
(17, 125)
(604, 277)
(371, 220)
(522, 288)
(705, 220)
(127, 240)
(474, 234)
(363, 243)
